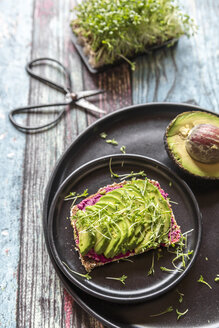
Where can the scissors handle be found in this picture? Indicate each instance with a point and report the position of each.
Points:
(70, 96)
(30, 109)
(40, 61)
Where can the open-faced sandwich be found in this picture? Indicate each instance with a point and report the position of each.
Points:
(122, 220)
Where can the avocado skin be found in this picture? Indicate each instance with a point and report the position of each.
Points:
(189, 174)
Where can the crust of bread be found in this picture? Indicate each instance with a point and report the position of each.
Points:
(88, 263)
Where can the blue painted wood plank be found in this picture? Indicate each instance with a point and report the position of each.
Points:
(42, 301)
(15, 45)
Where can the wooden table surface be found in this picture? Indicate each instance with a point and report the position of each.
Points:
(31, 294)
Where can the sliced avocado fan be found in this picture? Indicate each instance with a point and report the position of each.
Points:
(133, 218)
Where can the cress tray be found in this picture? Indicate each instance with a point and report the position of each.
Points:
(141, 122)
(138, 286)
(93, 70)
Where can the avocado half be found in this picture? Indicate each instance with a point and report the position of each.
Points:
(175, 143)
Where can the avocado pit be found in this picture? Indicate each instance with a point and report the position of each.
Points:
(202, 143)
(192, 141)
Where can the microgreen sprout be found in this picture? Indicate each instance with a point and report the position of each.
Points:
(132, 174)
(112, 142)
(103, 135)
(171, 201)
(121, 279)
(166, 269)
(181, 295)
(181, 254)
(169, 309)
(131, 63)
(122, 149)
(124, 28)
(201, 279)
(187, 232)
(115, 175)
(72, 195)
(124, 176)
(180, 314)
(87, 276)
(216, 278)
(151, 271)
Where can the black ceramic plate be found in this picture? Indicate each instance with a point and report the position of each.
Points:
(141, 122)
(138, 286)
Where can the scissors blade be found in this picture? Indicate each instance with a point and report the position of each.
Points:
(88, 93)
(89, 106)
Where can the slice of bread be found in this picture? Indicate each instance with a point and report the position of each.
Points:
(90, 260)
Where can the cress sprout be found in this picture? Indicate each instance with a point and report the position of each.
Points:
(87, 276)
(201, 279)
(121, 279)
(180, 314)
(169, 309)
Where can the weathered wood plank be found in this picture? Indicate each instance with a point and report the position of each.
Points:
(42, 301)
(15, 48)
(116, 82)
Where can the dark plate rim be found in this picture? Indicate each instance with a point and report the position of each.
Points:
(102, 294)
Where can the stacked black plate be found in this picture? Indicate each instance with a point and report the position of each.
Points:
(85, 164)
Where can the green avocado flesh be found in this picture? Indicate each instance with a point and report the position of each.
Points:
(175, 138)
(135, 217)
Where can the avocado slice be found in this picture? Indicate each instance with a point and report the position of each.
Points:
(123, 237)
(134, 217)
(86, 241)
(109, 198)
(115, 237)
(137, 236)
(175, 139)
(102, 239)
(145, 243)
(155, 233)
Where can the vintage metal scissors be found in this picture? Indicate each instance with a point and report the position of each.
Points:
(77, 98)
